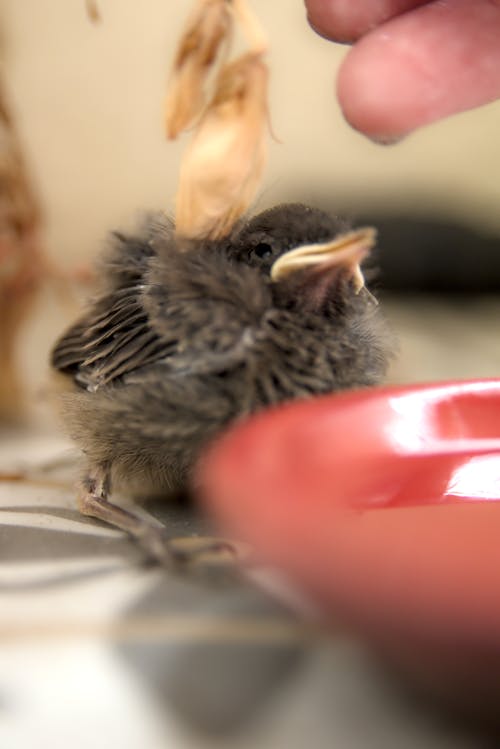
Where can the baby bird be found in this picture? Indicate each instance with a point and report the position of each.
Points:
(186, 337)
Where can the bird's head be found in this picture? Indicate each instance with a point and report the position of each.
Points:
(304, 252)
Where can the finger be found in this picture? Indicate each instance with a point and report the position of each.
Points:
(345, 21)
(441, 59)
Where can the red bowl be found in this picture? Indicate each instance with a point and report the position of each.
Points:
(383, 506)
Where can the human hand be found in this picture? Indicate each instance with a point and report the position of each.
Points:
(413, 61)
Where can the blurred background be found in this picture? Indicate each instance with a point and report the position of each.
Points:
(87, 98)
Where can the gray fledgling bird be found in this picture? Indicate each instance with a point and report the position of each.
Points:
(186, 337)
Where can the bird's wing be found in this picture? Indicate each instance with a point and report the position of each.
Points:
(113, 339)
(196, 319)
(117, 337)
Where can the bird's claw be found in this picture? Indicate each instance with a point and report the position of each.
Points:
(191, 552)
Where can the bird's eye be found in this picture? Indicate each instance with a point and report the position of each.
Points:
(263, 250)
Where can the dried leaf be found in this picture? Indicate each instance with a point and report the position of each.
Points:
(92, 11)
(250, 25)
(223, 164)
(206, 31)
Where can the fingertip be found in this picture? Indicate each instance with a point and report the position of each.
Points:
(368, 100)
(328, 24)
(399, 77)
(345, 22)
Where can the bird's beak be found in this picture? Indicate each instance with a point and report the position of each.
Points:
(345, 251)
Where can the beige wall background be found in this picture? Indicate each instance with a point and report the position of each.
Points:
(88, 99)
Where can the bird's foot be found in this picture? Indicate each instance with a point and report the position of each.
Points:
(189, 553)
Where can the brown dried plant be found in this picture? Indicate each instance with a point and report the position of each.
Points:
(206, 32)
(92, 10)
(223, 165)
(21, 259)
(24, 265)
